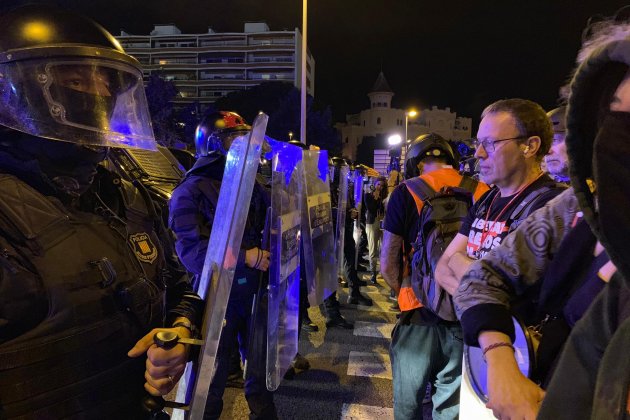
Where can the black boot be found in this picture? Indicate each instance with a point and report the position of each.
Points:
(235, 373)
(308, 325)
(338, 321)
(330, 309)
(356, 298)
(373, 279)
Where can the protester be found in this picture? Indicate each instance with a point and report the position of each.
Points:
(422, 343)
(557, 161)
(513, 137)
(374, 214)
(592, 376)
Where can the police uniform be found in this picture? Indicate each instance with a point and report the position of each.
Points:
(192, 214)
(83, 275)
(80, 283)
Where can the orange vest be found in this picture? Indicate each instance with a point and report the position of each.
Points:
(444, 177)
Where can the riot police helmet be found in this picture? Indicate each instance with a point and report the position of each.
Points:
(64, 77)
(427, 146)
(338, 161)
(216, 132)
(298, 143)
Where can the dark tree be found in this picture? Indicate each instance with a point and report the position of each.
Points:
(281, 101)
(160, 94)
(187, 120)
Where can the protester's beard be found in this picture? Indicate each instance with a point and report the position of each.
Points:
(69, 166)
(612, 176)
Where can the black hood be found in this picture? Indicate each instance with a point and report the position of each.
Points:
(210, 166)
(591, 92)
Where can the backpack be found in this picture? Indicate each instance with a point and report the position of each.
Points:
(439, 222)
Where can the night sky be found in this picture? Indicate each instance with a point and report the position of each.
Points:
(462, 54)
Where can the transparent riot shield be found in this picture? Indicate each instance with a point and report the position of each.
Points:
(317, 228)
(284, 270)
(358, 203)
(218, 272)
(342, 208)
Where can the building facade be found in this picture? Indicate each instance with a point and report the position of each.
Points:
(207, 66)
(380, 121)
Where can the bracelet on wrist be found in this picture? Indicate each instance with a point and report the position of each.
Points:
(494, 346)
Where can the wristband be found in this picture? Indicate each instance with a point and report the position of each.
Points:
(494, 346)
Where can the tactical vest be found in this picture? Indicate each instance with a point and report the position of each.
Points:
(77, 290)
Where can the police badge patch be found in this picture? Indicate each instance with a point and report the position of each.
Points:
(143, 247)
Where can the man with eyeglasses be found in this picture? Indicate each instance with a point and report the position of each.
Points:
(513, 137)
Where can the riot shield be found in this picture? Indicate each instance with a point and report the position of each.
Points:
(342, 208)
(358, 203)
(284, 271)
(317, 228)
(218, 272)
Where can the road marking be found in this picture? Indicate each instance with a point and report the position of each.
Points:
(365, 412)
(373, 329)
(371, 365)
(377, 306)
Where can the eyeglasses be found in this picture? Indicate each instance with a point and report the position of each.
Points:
(489, 145)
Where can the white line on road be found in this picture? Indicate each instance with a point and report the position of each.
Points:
(365, 412)
(373, 329)
(372, 365)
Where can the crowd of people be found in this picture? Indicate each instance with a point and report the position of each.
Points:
(538, 235)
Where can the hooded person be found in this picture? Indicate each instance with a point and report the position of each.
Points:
(593, 375)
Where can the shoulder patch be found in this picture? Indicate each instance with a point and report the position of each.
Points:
(144, 248)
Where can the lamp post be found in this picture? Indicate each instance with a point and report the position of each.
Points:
(411, 113)
(303, 78)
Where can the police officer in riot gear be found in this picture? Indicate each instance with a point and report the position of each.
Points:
(83, 277)
(192, 214)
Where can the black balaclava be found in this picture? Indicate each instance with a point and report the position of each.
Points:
(68, 167)
(598, 145)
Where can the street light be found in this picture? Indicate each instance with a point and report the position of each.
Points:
(394, 139)
(411, 113)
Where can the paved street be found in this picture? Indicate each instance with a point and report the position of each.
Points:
(350, 375)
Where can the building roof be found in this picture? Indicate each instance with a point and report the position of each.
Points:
(381, 84)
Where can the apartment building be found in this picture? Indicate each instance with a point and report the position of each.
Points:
(207, 66)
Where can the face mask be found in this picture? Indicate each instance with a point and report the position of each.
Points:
(612, 177)
(69, 166)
